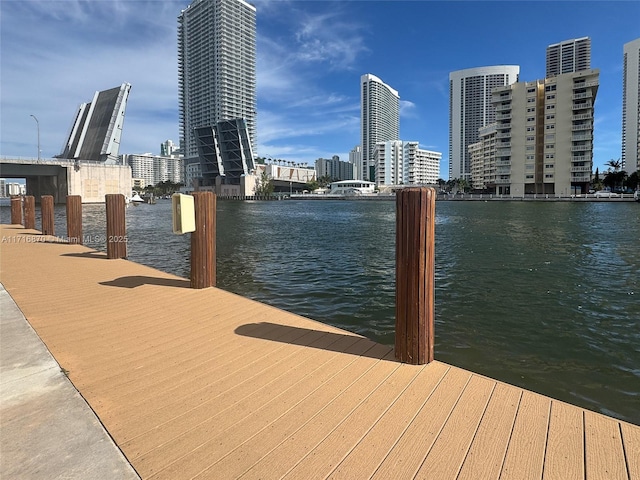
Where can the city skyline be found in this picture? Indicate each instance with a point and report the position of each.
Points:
(310, 56)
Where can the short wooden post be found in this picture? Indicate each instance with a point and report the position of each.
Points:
(203, 241)
(74, 219)
(415, 275)
(46, 207)
(30, 212)
(116, 228)
(16, 211)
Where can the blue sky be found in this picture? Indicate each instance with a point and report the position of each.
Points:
(56, 54)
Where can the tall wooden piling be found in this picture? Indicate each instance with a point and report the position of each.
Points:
(16, 211)
(203, 241)
(74, 219)
(116, 227)
(30, 212)
(46, 207)
(415, 275)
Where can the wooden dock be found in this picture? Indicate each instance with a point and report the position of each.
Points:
(207, 384)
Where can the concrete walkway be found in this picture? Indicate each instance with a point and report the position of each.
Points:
(47, 430)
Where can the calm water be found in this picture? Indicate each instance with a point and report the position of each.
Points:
(542, 295)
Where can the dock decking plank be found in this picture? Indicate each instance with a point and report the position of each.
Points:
(631, 442)
(603, 449)
(488, 449)
(378, 441)
(407, 455)
(564, 458)
(445, 459)
(525, 453)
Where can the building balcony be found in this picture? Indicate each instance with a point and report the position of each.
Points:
(503, 171)
(580, 179)
(581, 169)
(503, 163)
(503, 181)
(584, 126)
(582, 116)
(581, 137)
(504, 135)
(581, 148)
(582, 106)
(503, 145)
(503, 126)
(578, 96)
(579, 85)
(503, 108)
(581, 158)
(503, 116)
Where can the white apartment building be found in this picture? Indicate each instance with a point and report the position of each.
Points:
(154, 169)
(568, 56)
(470, 109)
(216, 67)
(631, 106)
(404, 163)
(379, 119)
(544, 134)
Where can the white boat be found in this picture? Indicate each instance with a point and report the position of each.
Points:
(136, 198)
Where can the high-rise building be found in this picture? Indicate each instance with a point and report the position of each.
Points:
(544, 135)
(155, 168)
(379, 119)
(334, 168)
(216, 68)
(568, 56)
(355, 159)
(470, 108)
(405, 163)
(631, 106)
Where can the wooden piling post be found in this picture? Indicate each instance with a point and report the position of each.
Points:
(46, 207)
(203, 241)
(74, 219)
(415, 275)
(16, 211)
(30, 212)
(116, 227)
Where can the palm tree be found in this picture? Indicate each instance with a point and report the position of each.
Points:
(615, 164)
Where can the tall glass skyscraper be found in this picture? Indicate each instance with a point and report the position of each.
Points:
(470, 108)
(216, 67)
(631, 106)
(379, 119)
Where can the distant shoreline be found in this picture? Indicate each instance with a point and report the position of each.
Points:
(472, 197)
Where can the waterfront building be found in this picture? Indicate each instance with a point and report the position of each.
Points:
(355, 159)
(544, 134)
(470, 108)
(403, 163)
(379, 120)
(97, 127)
(334, 168)
(568, 56)
(422, 166)
(153, 169)
(216, 68)
(3, 187)
(631, 106)
(169, 149)
(483, 160)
